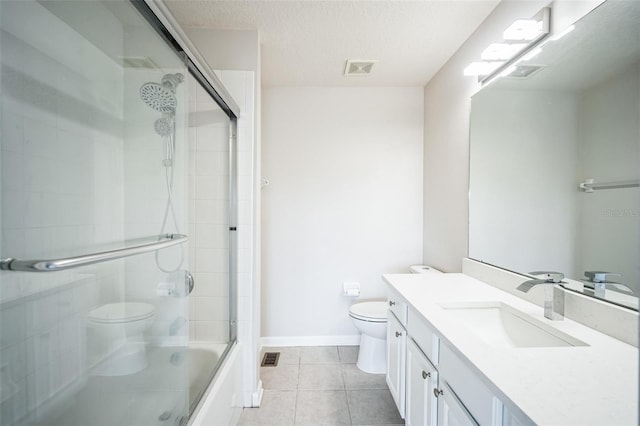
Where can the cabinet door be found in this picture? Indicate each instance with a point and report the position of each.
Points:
(422, 378)
(396, 347)
(450, 410)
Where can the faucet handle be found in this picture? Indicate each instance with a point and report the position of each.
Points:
(548, 276)
(600, 276)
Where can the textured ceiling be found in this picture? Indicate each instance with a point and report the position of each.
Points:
(306, 43)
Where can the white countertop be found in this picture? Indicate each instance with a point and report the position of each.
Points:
(584, 385)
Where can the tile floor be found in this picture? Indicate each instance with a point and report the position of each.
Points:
(321, 386)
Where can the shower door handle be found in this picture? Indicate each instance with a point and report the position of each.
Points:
(189, 282)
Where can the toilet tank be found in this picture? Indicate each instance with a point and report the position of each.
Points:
(423, 269)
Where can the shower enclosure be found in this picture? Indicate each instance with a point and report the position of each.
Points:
(117, 218)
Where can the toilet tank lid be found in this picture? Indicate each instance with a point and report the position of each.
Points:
(374, 310)
(121, 312)
(423, 269)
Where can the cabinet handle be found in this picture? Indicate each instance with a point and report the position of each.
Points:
(398, 334)
(391, 303)
(425, 375)
(437, 392)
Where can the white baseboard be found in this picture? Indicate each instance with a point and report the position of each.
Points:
(256, 397)
(283, 341)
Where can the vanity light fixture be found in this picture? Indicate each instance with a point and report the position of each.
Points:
(524, 30)
(520, 40)
(481, 68)
(563, 33)
(501, 51)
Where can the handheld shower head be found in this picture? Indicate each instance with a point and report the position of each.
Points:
(163, 126)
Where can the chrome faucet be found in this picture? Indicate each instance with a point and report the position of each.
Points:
(599, 282)
(553, 293)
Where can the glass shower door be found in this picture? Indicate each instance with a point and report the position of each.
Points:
(93, 162)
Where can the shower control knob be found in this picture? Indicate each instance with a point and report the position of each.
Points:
(189, 281)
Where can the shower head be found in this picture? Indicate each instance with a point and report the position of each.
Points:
(158, 97)
(163, 126)
(161, 96)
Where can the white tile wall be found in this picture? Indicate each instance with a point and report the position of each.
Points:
(209, 313)
(62, 192)
(209, 222)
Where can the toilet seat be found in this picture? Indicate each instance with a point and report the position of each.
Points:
(113, 313)
(369, 311)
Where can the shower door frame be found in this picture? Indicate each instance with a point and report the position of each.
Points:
(159, 19)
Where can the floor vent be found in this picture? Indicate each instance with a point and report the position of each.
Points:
(270, 359)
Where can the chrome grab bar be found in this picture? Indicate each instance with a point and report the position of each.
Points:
(52, 265)
(589, 185)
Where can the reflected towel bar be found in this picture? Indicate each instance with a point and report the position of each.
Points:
(52, 265)
(589, 185)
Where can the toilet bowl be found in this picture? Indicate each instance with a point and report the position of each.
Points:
(118, 336)
(370, 318)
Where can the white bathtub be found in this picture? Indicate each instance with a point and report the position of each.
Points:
(221, 403)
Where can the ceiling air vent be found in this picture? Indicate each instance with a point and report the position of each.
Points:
(137, 62)
(358, 67)
(524, 71)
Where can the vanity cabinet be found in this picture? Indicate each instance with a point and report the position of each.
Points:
(396, 358)
(451, 411)
(459, 384)
(421, 380)
(396, 349)
(430, 382)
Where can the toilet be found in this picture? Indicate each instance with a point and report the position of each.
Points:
(370, 318)
(117, 330)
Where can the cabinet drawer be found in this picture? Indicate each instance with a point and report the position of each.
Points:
(476, 397)
(398, 307)
(422, 333)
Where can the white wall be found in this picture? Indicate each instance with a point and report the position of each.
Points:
(446, 140)
(344, 203)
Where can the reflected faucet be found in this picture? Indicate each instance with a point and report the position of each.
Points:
(599, 282)
(553, 293)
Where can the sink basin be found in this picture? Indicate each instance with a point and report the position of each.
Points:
(501, 325)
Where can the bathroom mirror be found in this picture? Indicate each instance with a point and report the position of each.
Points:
(555, 159)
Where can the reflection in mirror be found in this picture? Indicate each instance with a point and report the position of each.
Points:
(555, 160)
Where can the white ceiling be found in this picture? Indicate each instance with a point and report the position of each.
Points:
(306, 43)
